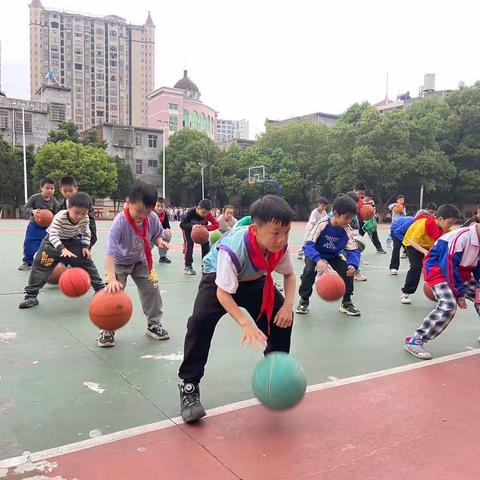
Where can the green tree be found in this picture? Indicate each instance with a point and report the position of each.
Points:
(67, 130)
(91, 138)
(125, 180)
(94, 170)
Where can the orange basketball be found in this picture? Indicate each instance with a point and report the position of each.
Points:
(74, 282)
(43, 217)
(427, 290)
(366, 212)
(398, 208)
(200, 234)
(330, 286)
(110, 311)
(54, 277)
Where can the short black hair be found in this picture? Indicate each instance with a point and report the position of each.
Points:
(344, 205)
(431, 206)
(322, 200)
(399, 197)
(228, 206)
(80, 200)
(369, 193)
(271, 208)
(68, 181)
(360, 186)
(205, 204)
(353, 195)
(161, 200)
(448, 211)
(143, 192)
(45, 180)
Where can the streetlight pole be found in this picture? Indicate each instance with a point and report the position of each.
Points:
(202, 165)
(163, 163)
(25, 182)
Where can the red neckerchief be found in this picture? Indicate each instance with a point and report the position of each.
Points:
(143, 235)
(261, 263)
(161, 217)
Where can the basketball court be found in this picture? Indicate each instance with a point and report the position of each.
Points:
(69, 410)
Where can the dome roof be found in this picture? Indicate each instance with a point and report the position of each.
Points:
(186, 84)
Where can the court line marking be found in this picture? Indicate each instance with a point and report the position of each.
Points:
(151, 427)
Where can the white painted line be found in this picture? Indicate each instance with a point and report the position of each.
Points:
(142, 429)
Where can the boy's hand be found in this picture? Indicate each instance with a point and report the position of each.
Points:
(351, 271)
(114, 286)
(461, 302)
(86, 253)
(284, 317)
(163, 245)
(253, 337)
(67, 253)
(322, 267)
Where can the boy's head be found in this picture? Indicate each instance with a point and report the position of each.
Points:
(447, 216)
(68, 186)
(78, 206)
(400, 199)
(141, 200)
(204, 206)
(271, 219)
(360, 189)
(322, 203)
(47, 187)
(227, 212)
(431, 208)
(344, 208)
(353, 195)
(368, 194)
(160, 205)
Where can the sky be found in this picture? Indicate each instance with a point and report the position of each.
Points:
(276, 59)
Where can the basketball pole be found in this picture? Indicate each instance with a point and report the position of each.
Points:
(421, 197)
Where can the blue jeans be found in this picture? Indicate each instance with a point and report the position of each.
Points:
(33, 238)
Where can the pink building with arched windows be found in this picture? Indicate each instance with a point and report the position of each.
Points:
(180, 107)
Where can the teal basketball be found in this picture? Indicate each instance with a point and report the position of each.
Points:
(279, 381)
(215, 236)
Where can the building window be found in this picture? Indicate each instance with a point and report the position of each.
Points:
(153, 163)
(78, 66)
(3, 118)
(18, 122)
(123, 137)
(186, 119)
(138, 166)
(172, 106)
(58, 111)
(172, 123)
(138, 139)
(152, 141)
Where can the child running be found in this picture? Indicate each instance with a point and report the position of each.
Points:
(36, 233)
(238, 274)
(452, 269)
(129, 253)
(160, 210)
(67, 240)
(315, 216)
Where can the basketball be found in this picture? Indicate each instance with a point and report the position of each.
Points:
(366, 212)
(110, 311)
(279, 381)
(74, 282)
(43, 217)
(330, 287)
(200, 234)
(427, 290)
(215, 236)
(398, 208)
(54, 277)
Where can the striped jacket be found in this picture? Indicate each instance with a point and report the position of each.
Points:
(454, 258)
(62, 228)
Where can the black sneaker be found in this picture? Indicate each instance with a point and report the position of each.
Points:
(164, 260)
(157, 332)
(29, 302)
(302, 307)
(189, 271)
(382, 251)
(24, 266)
(190, 406)
(349, 309)
(106, 338)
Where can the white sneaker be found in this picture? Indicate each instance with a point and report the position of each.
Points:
(393, 271)
(405, 299)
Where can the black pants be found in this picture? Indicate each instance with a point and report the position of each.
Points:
(47, 258)
(188, 248)
(207, 311)
(397, 246)
(309, 275)
(415, 271)
(373, 236)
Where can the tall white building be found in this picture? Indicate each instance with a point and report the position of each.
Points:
(230, 129)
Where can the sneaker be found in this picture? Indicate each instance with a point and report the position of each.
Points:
(300, 255)
(359, 277)
(382, 251)
(164, 260)
(405, 299)
(29, 302)
(190, 406)
(24, 266)
(349, 309)
(393, 271)
(157, 332)
(106, 338)
(189, 271)
(415, 347)
(302, 307)
(403, 255)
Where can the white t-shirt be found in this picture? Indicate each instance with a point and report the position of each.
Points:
(227, 275)
(315, 217)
